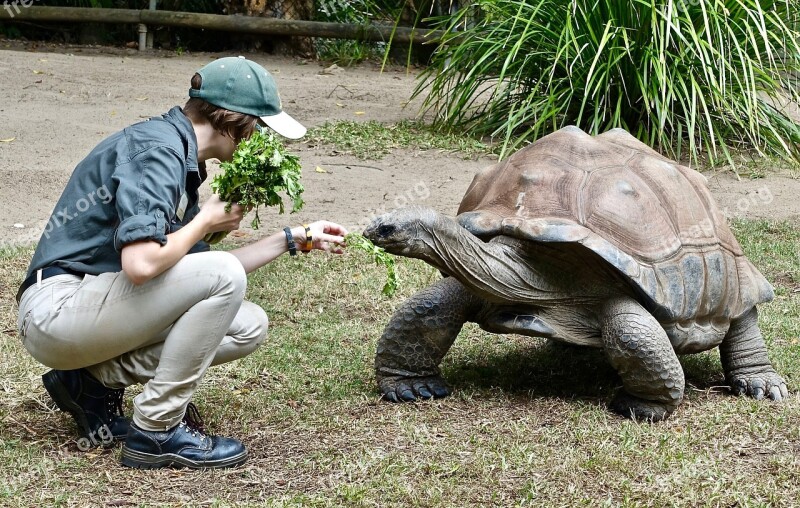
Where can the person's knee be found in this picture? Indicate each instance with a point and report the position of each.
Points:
(228, 269)
(259, 323)
(251, 330)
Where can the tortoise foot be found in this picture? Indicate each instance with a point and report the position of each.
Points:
(759, 385)
(410, 389)
(640, 409)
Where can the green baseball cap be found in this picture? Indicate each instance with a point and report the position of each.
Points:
(241, 85)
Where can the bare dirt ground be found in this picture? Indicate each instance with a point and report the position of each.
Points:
(59, 101)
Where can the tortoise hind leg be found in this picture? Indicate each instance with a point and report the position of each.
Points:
(748, 371)
(416, 339)
(640, 351)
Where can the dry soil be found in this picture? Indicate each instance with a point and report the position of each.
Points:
(59, 101)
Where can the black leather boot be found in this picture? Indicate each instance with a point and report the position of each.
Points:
(185, 445)
(97, 410)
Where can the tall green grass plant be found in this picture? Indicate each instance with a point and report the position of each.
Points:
(690, 77)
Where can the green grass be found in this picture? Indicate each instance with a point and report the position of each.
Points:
(526, 425)
(347, 52)
(374, 140)
(358, 12)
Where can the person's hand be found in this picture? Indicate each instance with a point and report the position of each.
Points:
(215, 218)
(327, 236)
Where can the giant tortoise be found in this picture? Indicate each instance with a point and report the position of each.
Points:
(591, 240)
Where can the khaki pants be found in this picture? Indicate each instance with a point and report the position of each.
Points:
(163, 334)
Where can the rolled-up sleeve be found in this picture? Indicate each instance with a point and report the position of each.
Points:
(147, 190)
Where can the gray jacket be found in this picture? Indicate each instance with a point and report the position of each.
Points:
(138, 184)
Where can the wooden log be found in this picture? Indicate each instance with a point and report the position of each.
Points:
(72, 15)
(230, 23)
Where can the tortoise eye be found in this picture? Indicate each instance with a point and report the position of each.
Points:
(385, 230)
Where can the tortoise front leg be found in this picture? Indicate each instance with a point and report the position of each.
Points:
(748, 371)
(416, 339)
(639, 349)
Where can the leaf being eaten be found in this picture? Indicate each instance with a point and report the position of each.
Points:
(379, 255)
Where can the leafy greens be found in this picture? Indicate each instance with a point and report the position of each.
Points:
(260, 169)
(379, 255)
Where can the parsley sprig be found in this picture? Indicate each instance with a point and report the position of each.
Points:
(379, 255)
(260, 169)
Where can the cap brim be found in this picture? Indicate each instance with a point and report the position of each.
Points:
(285, 125)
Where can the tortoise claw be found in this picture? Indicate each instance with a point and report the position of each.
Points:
(400, 389)
(640, 409)
(759, 386)
(778, 392)
(422, 390)
(391, 397)
(406, 394)
(438, 387)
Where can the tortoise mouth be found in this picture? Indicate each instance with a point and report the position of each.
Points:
(391, 246)
(381, 234)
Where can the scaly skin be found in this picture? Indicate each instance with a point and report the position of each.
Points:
(748, 371)
(640, 351)
(416, 339)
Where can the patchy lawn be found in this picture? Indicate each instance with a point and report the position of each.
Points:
(527, 424)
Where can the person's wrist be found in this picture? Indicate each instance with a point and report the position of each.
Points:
(299, 234)
(291, 242)
(203, 223)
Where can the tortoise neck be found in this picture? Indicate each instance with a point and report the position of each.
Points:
(494, 269)
(511, 270)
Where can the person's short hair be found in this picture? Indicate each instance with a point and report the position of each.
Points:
(235, 125)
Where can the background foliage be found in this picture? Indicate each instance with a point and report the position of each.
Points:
(689, 76)
(341, 51)
(91, 33)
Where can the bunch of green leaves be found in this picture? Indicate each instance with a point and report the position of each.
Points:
(259, 171)
(379, 255)
(696, 77)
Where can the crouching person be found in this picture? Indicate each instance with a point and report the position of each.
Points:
(122, 290)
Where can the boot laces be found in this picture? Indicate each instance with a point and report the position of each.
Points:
(114, 403)
(194, 422)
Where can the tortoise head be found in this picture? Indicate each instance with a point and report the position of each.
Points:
(406, 231)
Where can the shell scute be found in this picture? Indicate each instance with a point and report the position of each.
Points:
(634, 221)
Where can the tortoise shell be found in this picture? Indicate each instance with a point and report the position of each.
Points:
(651, 218)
